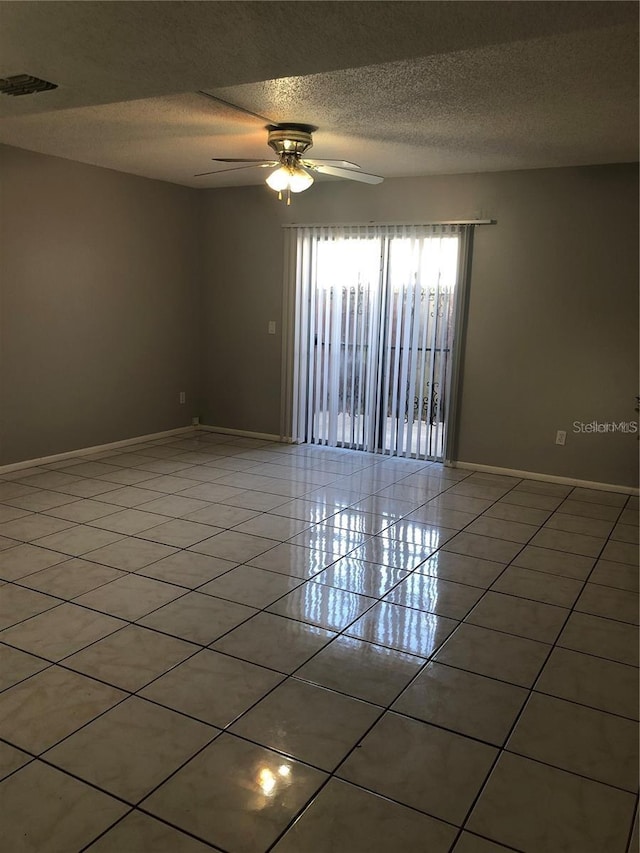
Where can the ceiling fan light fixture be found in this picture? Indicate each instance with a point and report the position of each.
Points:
(300, 180)
(290, 177)
(278, 180)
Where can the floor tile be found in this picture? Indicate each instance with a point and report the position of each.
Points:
(402, 628)
(131, 658)
(130, 596)
(139, 832)
(598, 496)
(221, 515)
(598, 683)
(201, 531)
(31, 527)
(273, 641)
(130, 496)
(307, 722)
(238, 547)
(364, 670)
(461, 568)
(520, 616)
(230, 778)
(198, 618)
(581, 740)
(24, 560)
(17, 604)
(617, 575)
(272, 527)
(512, 531)
(601, 637)
(610, 603)
(538, 586)
(132, 748)
(434, 595)
(187, 569)
(293, 560)
(589, 510)
(492, 653)
(9, 513)
(574, 543)
(554, 562)
(513, 512)
(440, 515)
(484, 547)
(36, 713)
(60, 631)
(343, 817)
(390, 552)
(129, 554)
(47, 811)
(470, 843)
(251, 586)
(332, 540)
(212, 687)
(626, 533)
(129, 521)
(16, 665)
(617, 552)
(179, 533)
(261, 501)
(76, 541)
(71, 578)
(322, 605)
(11, 759)
(361, 577)
(579, 524)
(457, 766)
(533, 807)
(464, 702)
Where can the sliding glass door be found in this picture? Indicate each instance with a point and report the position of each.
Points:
(375, 315)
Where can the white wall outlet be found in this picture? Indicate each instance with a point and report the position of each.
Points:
(195, 421)
(271, 328)
(182, 397)
(561, 437)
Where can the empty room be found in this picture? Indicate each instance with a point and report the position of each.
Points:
(319, 427)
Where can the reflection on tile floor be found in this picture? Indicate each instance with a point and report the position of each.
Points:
(217, 643)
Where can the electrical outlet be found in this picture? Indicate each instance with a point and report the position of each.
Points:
(182, 398)
(561, 436)
(271, 328)
(195, 421)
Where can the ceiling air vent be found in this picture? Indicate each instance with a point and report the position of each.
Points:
(24, 84)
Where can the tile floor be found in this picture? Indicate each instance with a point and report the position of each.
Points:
(211, 643)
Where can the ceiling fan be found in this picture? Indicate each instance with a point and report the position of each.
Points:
(292, 172)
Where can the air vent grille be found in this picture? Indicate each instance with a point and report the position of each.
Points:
(24, 84)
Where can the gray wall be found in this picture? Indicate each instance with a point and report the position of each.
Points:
(552, 321)
(99, 303)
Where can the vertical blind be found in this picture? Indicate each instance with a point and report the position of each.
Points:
(374, 315)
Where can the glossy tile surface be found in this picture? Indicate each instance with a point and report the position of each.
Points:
(219, 643)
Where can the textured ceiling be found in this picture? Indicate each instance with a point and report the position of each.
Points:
(401, 88)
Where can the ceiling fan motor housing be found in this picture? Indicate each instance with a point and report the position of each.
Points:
(290, 139)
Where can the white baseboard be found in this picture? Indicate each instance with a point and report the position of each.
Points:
(97, 448)
(244, 433)
(546, 478)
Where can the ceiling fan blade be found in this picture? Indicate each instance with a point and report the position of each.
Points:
(235, 107)
(350, 174)
(233, 169)
(241, 160)
(344, 164)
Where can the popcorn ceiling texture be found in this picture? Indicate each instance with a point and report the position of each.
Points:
(401, 88)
